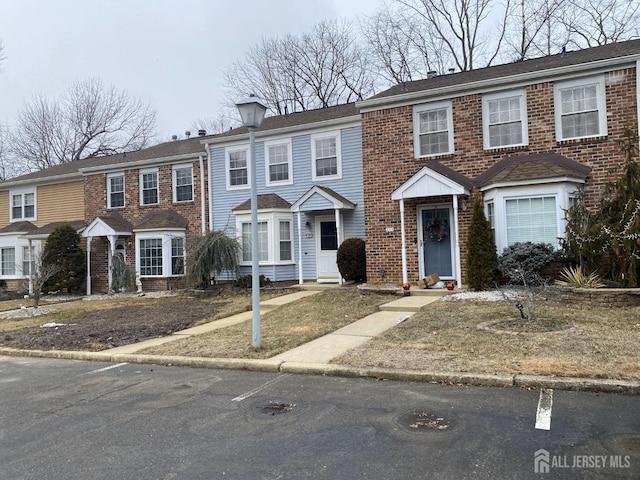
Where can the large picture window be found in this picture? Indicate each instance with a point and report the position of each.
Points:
(151, 257)
(275, 237)
(161, 254)
(532, 220)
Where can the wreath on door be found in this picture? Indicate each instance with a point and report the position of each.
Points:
(437, 229)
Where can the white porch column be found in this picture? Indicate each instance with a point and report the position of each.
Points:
(456, 242)
(340, 236)
(300, 269)
(112, 252)
(31, 260)
(404, 243)
(89, 265)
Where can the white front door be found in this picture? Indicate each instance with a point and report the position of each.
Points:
(327, 249)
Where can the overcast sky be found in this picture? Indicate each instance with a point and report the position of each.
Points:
(170, 53)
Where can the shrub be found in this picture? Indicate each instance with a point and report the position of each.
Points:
(482, 258)
(246, 281)
(352, 260)
(523, 261)
(63, 249)
(575, 277)
(210, 254)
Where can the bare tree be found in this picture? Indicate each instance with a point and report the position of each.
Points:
(597, 22)
(38, 274)
(89, 120)
(327, 66)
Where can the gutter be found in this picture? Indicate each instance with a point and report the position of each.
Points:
(203, 201)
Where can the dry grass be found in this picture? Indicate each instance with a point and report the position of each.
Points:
(602, 343)
(282, 329)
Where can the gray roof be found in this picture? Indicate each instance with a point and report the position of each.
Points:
(50, 227)
(269, 200)
(589, 55)
(18, 227)
(116, 222)
(161, 219)
(451, 174)
(536, 166)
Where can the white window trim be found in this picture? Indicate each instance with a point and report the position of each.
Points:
(22, 192)
(601, 99)
(165, 236)
(417, 110)
(147, 171)
(322, 135)
(18, 243)
(174, 180)
(227, 166)
(273, 219)
(124, 188)
(273, 143)
(562, 191)
(486, 99)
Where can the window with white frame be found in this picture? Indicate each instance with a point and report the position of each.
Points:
(28, 260)
(23, 205)
(160, 254)
(149, 187)
(7, 261)
(275, 237)
(278, 162)
(182, 183)
(326, 156)
(491, 218)
(432, 129)
(531, 220)
(580, 108)
(237, 168)
(504, 119)
(115, 190)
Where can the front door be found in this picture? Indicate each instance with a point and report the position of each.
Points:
(327, 248)
(437, 244)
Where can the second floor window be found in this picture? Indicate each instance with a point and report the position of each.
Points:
(326, 155)
(115, 187)
(504, 120)
(149, 188)
(433, 129)
(580, 108)
(23, 206)
(278, 163)
(182, 183)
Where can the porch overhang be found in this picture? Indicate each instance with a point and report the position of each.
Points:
(321, 198)
(107, 227)
(428, 182)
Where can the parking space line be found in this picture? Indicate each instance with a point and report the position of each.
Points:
(111, 367)
(543, 415)
(250, 393)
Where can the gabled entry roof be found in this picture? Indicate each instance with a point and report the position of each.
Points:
(104, 226)
(432, 180)
(321, 198)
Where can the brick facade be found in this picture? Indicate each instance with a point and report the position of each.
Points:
(388, 162)
(95, 188)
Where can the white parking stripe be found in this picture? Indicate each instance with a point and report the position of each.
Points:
(545, 403)
(106, 368)
(250, 393)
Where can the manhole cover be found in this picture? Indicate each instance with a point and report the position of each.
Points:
(632, 444)
(420, 420)
(276, 408)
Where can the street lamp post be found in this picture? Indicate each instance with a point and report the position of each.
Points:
(252, 113)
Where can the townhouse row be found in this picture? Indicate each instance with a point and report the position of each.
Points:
(400, 170)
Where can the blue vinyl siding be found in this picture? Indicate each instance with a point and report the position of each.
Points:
(349, 186)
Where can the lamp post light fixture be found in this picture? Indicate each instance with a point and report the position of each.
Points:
(252, 113)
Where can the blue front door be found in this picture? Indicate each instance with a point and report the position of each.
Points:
(436, 237)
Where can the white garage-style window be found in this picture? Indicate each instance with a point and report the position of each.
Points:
(275, 237)
(160, 254)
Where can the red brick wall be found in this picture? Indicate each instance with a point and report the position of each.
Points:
(388, 161)
(95, 189)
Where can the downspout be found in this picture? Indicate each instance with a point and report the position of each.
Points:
(203, 196)
(30, 269)
(404, 243)
(340, 236)
(456, 241)
(206, 147)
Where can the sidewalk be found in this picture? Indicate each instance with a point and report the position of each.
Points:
(315, 357)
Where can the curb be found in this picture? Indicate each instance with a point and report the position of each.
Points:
(601, 385)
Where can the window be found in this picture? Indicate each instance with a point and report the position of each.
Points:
(237, 168)
(279, 163)
(115, 190)
(7, 261)
(28, 261)
(532, 220)
(263, 242)
(491, 218)
(326, 156)
(580, 108)
(285, 241)
(177, 256)
(182, 183)
(161, 254)
(149, 187)
(433, 129)
(504, 120)
(151, 256)
(23, 205)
